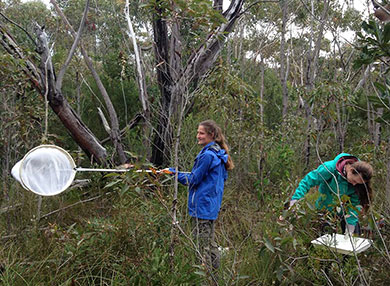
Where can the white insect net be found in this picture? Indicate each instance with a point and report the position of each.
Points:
(46, 170)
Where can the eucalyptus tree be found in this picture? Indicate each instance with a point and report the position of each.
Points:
(252, 51)
(16, 93)
(309, 57)
(313, 53)
(188, 37)
(337, 78)
(283, 62)
(104, 47)
(255, 42)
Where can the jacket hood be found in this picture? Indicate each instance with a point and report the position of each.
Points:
(343, 160)
(218, 151)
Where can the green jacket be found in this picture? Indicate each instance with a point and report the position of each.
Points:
(331, 184)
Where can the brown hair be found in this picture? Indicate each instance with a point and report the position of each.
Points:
(213, 129)
(364, 191)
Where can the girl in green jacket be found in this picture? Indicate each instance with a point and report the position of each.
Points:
(344, 186)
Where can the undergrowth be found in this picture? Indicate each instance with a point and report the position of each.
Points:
(118, 231)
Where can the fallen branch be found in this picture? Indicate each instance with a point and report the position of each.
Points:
(72, 205)
(9, 208)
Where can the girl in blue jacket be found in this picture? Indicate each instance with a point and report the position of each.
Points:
(345, 178)
(206, 183)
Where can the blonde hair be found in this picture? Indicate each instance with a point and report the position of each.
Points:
(213, 129)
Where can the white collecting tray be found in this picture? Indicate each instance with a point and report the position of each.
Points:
(341, 243)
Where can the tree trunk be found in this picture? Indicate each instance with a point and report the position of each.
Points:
(174, 80)
(176, 184)
(308, 79)
(312, 58)
(324, 19)
(388, 172)
(262, 91)
(283, 73)
(261, 161)
(341, 125)
(161, 45)
(377, 128)
(311, 71)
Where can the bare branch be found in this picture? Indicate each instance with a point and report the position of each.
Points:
(60, 76)
(141, 78)
(256, 3)
(115, 135)
(104, 121)
(20, 27)
(13, 49)
(10, 208)
(133, 123)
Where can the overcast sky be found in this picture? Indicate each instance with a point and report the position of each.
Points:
(360, 5)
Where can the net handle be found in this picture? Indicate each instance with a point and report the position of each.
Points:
(80, 169)
(120, 170)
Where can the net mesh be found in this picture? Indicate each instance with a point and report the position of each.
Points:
(46, 170)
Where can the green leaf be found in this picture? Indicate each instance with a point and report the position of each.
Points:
(269, 245)
(365, 26)
(242, 277)
(124, 189)
(385, 118)
(376, 101)
(295, 243)
(112, 184)
(111, 175)
(380, 86)
(311, 206)
(286, 240)
(279, 273)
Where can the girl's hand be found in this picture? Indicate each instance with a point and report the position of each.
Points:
(166, 171)
(349, 229)
(290, 204)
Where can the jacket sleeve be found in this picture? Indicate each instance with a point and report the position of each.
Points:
(314, 178)
(199, 170)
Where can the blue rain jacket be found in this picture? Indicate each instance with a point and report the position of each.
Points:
(331, 184)
(206, 182)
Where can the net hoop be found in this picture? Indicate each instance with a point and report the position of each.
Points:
(47, 170)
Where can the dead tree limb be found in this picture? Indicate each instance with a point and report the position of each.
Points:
(72, 122)
(114, 135)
